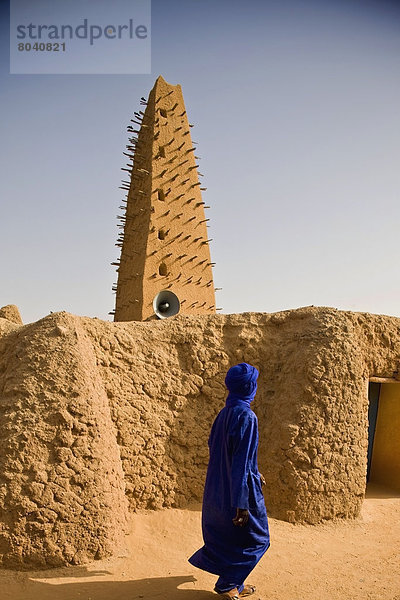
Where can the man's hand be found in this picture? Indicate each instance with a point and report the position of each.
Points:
(241, 518)
(262, 479)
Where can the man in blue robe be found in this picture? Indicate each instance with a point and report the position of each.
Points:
(234, 518)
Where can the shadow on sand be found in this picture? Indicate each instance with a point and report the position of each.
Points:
(26, 586)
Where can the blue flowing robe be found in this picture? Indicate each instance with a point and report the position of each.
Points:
(232, 482)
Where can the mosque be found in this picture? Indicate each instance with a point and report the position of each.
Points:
(165, 265)
(99, 419)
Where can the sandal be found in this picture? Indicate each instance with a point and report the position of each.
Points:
(228, 595)
(248, 590)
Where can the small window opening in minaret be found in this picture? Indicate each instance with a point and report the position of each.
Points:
(161, 195)
(162, 269)
(162, 234)
(161, 152)
(163, 113)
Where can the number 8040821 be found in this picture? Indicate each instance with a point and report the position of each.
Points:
(42, 47)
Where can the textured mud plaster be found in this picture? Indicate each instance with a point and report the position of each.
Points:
(99, 418)
(11, 313)
(61, 484)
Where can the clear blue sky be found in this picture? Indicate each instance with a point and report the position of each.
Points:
(296, 112)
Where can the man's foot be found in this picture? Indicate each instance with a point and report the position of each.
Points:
(231, 595)
(248, 590)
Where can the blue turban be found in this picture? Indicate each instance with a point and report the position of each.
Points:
(241, 381)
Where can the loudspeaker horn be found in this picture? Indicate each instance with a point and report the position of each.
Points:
(166, 304)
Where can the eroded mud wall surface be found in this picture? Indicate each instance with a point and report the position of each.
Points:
(311, 402)
(99, 416)
(61, 484)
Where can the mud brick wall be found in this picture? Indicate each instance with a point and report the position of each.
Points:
(98, 419)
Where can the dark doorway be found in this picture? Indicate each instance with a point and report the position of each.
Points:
(373, 397)
(384, 434)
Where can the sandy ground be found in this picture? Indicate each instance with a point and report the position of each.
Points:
(346, 560)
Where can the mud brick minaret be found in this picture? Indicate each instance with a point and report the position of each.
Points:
(164, 245)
